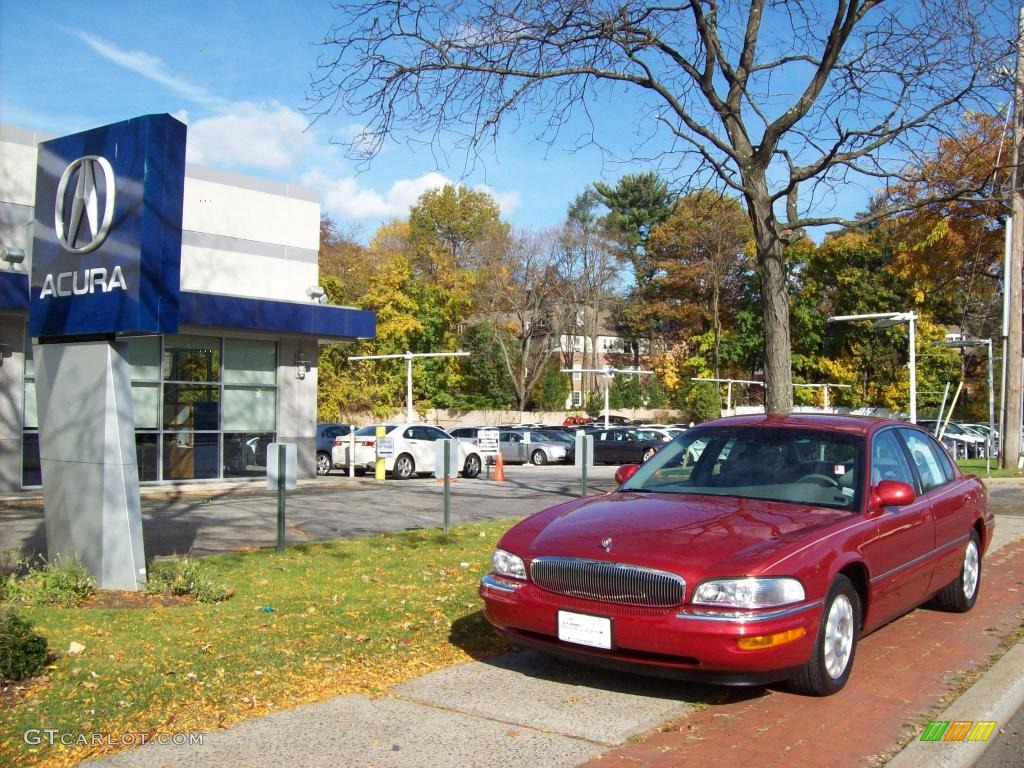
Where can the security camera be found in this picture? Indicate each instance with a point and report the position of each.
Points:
(12, 255)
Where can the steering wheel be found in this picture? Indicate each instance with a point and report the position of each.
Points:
(820, 479)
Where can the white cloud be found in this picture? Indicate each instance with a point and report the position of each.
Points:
(150, 67)
(507, 202)
(247, 135)
(345, 199)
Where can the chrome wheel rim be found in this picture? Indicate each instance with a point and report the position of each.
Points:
(472, 466)
(972, 570)
(838, 637)
(323, 464)
(403, 467)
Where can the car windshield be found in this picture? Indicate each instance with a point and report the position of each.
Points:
(804, 466)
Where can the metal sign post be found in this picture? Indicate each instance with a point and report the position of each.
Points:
(584, 457)
(444, 450)
(282, 475)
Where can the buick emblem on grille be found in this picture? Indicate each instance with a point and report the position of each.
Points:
(606, 543)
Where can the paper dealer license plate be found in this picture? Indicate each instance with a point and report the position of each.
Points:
(579, 628)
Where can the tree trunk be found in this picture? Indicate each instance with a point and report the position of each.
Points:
(778, 373)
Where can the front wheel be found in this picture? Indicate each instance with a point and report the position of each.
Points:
(405, 467)
(538, 458)
(831, 660)
(323, 463)
(960, 596)
(472, 466)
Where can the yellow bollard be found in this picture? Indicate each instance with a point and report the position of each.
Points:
(378, 469)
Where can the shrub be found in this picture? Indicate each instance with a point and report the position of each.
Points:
(23, 653)
(52, 584)
(184, 576)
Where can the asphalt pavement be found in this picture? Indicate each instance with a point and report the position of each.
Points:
(519, 709)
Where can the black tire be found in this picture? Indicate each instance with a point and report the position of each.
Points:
(323, 463)
(472, 466)
(405, 467)
(360, 471)
(831, 660)
(538, 458)
(962, 593)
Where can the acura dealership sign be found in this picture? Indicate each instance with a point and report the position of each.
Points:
(106, 247)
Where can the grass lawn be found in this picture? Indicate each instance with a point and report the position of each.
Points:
(977, 467)
(322, 619)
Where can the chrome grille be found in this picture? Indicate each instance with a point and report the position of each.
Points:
(611, 582)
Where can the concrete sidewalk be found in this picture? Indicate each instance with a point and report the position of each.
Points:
(527, 710)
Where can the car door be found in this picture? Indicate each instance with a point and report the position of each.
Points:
(952, 500)
(418, 443)
(511, 446)
(900, 554)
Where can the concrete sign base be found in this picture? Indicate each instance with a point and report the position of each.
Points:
(88, 460)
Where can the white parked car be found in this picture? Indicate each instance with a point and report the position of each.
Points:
(412, 453)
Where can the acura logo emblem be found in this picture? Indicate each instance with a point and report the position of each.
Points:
(606, 543)
(82, 228)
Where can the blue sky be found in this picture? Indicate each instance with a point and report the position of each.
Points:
(237, 74)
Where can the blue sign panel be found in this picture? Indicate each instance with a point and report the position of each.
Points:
(106, 251)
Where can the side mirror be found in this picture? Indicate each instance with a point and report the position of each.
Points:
(623, 473)
(895, 493)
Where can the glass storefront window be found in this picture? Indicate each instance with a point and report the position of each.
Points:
(245, 453)
(190, 455)
(250, 408)
(191, 358)
(250, 362)
(143, 353)
(204, 407)
(191, 406)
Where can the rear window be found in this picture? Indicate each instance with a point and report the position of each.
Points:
(371, 430)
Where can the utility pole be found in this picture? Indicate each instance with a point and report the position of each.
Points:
(1010, 439)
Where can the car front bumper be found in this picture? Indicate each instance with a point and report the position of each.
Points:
(686, 643)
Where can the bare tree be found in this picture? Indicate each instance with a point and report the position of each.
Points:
(591, 272)
(517, 294)
(778, 101)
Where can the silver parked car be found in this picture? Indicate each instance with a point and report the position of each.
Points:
(521, 446)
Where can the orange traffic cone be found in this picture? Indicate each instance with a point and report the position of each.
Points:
(499, 469)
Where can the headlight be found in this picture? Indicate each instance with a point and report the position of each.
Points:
(508, 564)
(749, 592)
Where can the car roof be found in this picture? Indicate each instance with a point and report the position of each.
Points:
(860, 425)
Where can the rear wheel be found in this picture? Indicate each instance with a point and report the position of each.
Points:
(472, 466)
(831, 660)
(960, 595)
(405, 467)
(323, 463)
(538, 458)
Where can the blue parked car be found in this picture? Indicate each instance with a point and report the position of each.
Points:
(325, 434)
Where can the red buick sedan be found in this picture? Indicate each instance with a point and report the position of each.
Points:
(748, 550)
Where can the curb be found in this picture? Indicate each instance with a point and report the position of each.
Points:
(997, 695)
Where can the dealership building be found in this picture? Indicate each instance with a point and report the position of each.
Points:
(238, 370)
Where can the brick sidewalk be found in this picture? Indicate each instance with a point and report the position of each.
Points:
(900, 673)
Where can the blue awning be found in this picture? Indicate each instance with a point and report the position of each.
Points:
(214, 310)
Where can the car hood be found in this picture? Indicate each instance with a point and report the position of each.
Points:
(694, 536)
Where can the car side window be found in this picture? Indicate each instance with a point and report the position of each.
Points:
(432, 433)
(929, 457)
(888, 462)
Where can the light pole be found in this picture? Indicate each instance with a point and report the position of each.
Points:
(728, 389)
(608, 372)
(885, 320)
(970, 344)
(408, 357)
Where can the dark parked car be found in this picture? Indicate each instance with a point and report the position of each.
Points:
(748, 550)
(325, 434)
(622, 445)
